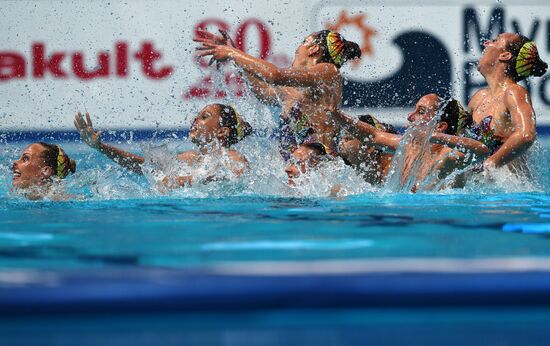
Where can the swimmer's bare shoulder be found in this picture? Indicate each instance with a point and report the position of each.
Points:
(189, 157)
(516, 92)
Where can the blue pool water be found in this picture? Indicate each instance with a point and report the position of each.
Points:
(254, 263)
(121, 222)
(199, 231)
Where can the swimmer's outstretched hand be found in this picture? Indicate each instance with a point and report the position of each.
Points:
(222, 39)
(207, 38)
(86, 130)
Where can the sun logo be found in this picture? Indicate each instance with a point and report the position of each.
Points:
(357, 21)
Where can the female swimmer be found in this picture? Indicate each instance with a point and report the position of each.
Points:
(38, 168)
(503, 116)
(373, 164)
(441, 161)
(216, 128)
(304, 90)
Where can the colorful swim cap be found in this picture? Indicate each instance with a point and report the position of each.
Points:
(527, 56)
(335, 46)
(62, 169)
(238, 124)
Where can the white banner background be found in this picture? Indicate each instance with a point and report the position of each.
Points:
(138, 101)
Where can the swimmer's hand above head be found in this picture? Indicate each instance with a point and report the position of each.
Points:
(219, 52)
(222, 39)
(86, 130)
(207, 38)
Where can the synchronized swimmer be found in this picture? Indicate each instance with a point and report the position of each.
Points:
(215, 129)
(495, 131)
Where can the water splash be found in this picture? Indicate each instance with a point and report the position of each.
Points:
(413, 151)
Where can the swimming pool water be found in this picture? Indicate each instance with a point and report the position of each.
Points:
(179, 231)
(232, 265)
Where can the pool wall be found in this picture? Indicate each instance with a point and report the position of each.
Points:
(499, 301)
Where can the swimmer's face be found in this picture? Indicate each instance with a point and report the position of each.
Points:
(425, 109)
(30, 170)
(306, 49)
(302, 158)
(494, 49)
(205, 126)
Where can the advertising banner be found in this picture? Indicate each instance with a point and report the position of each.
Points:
(133, 64)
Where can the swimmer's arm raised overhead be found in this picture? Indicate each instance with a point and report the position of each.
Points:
(93, 139)
(465, 145)
(268, 72)
(366, 133)
(264, 92)
(518, 104)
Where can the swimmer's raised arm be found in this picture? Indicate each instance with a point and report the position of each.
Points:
(93, 139)
(268, 72)
(264, 92)
(518, 104)
(366, 133)
(466, 145)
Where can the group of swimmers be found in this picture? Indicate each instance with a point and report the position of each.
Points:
(495, 130)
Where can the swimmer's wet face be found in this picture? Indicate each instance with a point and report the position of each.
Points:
(425, 109)
(305, 50)
(304, 157)
(31, 169)
(494, 51)
(206, 126)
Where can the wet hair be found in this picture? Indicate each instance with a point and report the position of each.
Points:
(334, 48)
(55, 158)
(238, 127)
(456, 117)
(525, 61)
(371, 120)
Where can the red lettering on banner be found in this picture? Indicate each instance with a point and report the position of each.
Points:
(199, 90)
(79, 67)
(265, 38)
(12, 65)
(204, 24)
(235, 83)
(148, 55)
(122, 59)
(205, 88)
(41, 64)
